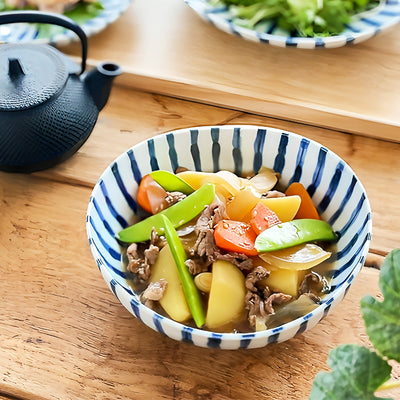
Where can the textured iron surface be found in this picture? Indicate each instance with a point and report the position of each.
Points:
(42, 136)
(44, 75)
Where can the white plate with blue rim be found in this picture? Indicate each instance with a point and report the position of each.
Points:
(360, 29)
(16, 33)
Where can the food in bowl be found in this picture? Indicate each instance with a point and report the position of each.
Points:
(336, 192)
(78, 10)
(306, 18)
(227, 253)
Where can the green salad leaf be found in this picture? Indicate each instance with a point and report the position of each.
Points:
(84, 11)
(356, 374)
(306, 18)
(382, 319)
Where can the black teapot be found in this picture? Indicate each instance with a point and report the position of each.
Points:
(48, 103)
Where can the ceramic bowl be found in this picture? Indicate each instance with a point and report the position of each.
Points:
(335, 189)
(362, 27)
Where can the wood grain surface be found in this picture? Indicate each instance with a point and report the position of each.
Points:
(165, 47)
(64, 335)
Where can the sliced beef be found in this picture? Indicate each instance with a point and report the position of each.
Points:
(239, 259)
(313, 285)
(197, 265)
(204, 228)
(260, 303)
(154, 292)
(256, 275)
(205, 250)
(174, 197)
(275, 299)
(141, 256)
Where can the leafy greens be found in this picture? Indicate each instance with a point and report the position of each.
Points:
(80, 13)
(307, 18)
(357, 372)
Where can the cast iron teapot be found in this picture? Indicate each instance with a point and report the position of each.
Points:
(48, 104)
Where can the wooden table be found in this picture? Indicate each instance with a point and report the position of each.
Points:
(63, 335)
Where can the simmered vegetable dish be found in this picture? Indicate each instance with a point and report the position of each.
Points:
(227, 253)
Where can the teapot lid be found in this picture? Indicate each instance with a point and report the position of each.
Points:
(30, 74)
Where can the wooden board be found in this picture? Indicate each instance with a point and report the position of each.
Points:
(165, 47)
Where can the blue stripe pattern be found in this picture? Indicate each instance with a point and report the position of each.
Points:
(134, 166)
(334, 184)
(236, 151)
(280, 158)
(111, 208)
(152, 154)
(343, 202)
(216, 149)
(173, 155)
(319, 169)
(120, 183)
(194, 149)
(258, 149)
(25, 32)
(300, 161)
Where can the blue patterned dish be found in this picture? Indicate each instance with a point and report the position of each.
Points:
(335, 189)
(359, 30)
(14, 33)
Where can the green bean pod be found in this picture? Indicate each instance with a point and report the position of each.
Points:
(179, 214)
(192, 294)
(293, 233)
(171, 182)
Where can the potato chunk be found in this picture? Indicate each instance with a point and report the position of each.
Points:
(227, 183)
(240, 206)
(173, 302)
(285, 281)
(226, 301)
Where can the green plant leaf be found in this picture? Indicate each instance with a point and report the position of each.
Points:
(382, 319)
(356, 374)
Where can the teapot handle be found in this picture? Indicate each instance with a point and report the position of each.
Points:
(48, 18)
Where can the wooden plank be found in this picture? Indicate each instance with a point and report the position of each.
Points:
(132, 116)
(165, 47)
(64, 335)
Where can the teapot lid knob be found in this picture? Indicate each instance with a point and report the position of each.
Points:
(15, 69)
(30, 74)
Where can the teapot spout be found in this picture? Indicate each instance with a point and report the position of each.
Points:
(99, 82)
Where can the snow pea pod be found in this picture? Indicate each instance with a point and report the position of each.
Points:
(171, 182)
(293, 233)
(179, 214)
(192, 294)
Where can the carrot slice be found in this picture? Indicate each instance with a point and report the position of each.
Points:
(262, 218)
(151, 196)
(235, 236)
(307, 209)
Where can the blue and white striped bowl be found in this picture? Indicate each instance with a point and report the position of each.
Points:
(368, 25)
(334, 187)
